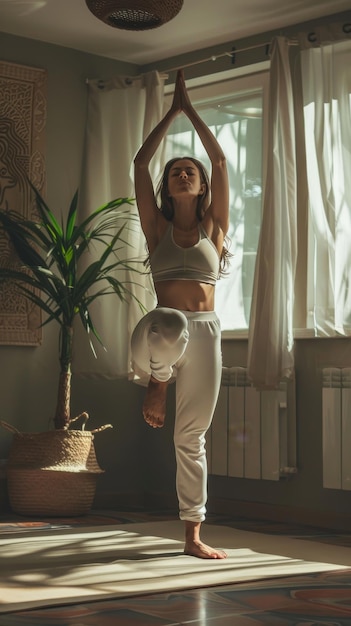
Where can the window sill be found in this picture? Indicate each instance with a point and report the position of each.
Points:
(299, 333)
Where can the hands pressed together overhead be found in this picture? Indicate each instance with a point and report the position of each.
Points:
(181, 100)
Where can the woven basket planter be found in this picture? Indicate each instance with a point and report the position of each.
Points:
(50, 492)
(52, 473)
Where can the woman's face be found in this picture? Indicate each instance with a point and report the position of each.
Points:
(184, 179)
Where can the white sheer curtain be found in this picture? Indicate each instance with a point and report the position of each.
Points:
(326, 83)
(271, 323)
(121, 112)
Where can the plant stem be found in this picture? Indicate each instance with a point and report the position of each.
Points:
(63, 411)
(63, 406)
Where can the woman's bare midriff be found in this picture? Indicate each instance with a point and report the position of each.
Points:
(185, 295)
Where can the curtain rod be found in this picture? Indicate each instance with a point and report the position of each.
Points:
(214, 57)
(231, 54)
(291, 42)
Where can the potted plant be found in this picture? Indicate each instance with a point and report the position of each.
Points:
(54, 270)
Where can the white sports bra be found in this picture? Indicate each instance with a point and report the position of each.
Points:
(200, 262)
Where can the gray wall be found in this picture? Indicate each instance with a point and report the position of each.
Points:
(140, 460)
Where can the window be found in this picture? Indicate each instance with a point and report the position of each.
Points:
(234, 109)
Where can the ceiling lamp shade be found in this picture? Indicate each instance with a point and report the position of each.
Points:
(135, 14)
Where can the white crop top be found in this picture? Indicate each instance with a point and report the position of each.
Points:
(200, 262)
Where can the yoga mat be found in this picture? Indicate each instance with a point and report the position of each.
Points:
(72, 565)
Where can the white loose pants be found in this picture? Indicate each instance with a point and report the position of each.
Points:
(186, 345)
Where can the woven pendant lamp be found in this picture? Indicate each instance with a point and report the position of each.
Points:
(135, 14)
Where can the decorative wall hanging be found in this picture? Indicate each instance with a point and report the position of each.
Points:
(135, 14)
(22, 135)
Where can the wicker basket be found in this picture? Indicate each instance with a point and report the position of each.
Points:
(52, 473)
(54, 449)
(50, 492)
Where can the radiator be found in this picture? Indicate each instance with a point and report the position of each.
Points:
(253, 434)
(336, 418)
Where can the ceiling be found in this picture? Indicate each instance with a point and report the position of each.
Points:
(200, 24)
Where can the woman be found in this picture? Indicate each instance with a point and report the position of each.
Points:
(181, 337)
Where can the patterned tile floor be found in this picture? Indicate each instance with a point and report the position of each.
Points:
(323, 598)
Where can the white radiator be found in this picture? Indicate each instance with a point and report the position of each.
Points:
(253, 434)
(336, 411)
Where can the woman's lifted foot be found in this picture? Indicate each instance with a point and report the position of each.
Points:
(154, 407)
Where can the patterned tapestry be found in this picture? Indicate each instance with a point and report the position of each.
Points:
(22, 135)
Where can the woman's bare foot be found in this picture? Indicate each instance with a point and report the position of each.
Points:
(194, 545)
(154, 407)
(202, 551)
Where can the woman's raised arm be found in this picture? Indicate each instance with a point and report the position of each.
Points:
(143, 184)
(219, 207)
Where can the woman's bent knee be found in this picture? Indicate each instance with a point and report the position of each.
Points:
(169, 323)
(159, 341)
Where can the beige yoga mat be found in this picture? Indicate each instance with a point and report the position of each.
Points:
(66, 566)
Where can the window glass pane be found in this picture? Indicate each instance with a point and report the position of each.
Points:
(236, 121)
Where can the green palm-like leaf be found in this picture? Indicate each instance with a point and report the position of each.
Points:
(48, 271)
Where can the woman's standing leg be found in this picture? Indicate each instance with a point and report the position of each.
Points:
(197, 387)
